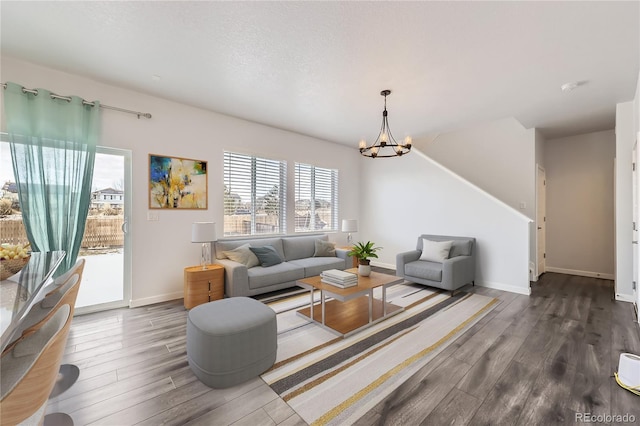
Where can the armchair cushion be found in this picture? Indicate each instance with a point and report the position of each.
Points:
(431, 271)
(460, 248)
(435, 251)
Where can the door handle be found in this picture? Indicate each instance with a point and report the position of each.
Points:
(539, 227)
(125, 227)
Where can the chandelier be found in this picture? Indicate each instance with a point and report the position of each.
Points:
(385, 145)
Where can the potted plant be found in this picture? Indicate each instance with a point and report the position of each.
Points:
(363, 252)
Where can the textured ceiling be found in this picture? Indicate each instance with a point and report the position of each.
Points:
(317, 68)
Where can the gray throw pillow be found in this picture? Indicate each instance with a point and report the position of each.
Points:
(460, 248)
(324, 249)
(267, 255)
(242, 255)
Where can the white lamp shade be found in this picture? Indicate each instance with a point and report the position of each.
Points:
(203, 232)
(349, 225)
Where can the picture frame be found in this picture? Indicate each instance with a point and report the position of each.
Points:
(177, 183)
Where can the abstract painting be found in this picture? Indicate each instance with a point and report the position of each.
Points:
(177, 183)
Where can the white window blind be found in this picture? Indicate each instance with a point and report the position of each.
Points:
(316, 198)
(254, 195)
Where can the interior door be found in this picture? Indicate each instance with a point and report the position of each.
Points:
(541, 197)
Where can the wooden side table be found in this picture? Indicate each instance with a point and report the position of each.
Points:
(355, 259)
(203, 285)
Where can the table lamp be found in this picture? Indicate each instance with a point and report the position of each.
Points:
(205, 233)
(349, 225)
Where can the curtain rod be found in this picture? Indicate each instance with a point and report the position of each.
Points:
(67, 98)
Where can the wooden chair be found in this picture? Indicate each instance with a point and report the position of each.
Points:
(28, 371)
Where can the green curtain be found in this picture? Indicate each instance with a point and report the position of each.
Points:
(53, 145)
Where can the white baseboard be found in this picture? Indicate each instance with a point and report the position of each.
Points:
(488, 284)
(625, 298)
(505, 287)
(135, 303)
(580, 273)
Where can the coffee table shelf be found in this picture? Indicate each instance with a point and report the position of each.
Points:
(351, 309)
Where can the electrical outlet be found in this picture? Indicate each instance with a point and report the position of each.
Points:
(153, 216)
(523, 205)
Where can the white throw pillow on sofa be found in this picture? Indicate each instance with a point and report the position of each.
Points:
(435, 251)
(243, 255)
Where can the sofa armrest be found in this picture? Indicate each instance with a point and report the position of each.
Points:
(404, 258)
(342, 254)
(236, 278)
(459, 270)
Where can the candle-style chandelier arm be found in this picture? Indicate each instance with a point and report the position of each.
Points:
(385, 139)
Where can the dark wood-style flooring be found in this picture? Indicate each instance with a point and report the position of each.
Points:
(541, 359)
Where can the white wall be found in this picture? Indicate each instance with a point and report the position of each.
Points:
(580, 204)
(412, 195)
(162, 249)
(498, 156)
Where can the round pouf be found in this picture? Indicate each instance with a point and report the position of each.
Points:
(230, 341)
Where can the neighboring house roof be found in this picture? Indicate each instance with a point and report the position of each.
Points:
(10, 187)
(108, 191)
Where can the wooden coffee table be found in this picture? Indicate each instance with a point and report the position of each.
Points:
(350, 309)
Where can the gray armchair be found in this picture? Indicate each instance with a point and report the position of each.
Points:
(453, 272)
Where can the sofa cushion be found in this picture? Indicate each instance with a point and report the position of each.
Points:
(267, 255)
(223, 245)
(324, 249)
(435, 251)
(244, 255)
(427, 270)
(314, 265)
(277, 274)
(460, 248)
(300, 247)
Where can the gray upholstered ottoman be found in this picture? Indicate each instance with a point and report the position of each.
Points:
(230, 341)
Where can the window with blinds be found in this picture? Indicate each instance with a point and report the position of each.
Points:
(254, 195)
(316, 198)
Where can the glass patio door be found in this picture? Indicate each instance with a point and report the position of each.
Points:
(106, 281)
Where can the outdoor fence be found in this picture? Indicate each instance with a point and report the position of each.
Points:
(240, 224)
(100, 231)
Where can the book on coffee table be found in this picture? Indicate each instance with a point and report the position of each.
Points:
(339, 278)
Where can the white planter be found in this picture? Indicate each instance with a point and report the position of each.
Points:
(364, 270)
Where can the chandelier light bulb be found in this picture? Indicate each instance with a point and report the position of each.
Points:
(385, 144)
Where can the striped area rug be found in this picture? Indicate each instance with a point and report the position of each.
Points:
(330, 380)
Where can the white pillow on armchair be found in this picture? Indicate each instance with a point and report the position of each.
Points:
(435, 251)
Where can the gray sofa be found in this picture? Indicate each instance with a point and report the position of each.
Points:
(457, 270)
(299, 262)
